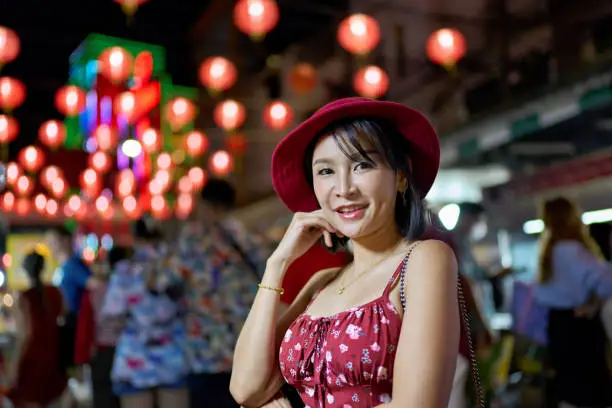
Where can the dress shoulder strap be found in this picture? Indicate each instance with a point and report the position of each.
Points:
(400, 272)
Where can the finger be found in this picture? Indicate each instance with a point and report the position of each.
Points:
(318, 222)
(328, 239)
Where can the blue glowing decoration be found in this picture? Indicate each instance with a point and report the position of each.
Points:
(91, 241)
(91, 145)
(106, 110)
(107, 242)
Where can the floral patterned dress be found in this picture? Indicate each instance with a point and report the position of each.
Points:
(345, 360)
(150, 351)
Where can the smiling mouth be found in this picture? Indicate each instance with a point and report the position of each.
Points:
(355, 212)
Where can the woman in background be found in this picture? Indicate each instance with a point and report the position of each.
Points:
(150, 367)
(571, 271)
(37, 376)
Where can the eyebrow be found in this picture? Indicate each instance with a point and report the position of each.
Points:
(328, 160)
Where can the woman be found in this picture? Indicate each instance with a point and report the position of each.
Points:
(150, 362)
(39, 379)
(357, 170)
(571, 271)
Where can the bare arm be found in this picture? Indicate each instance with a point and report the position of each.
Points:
(429, 340)
(256, 376)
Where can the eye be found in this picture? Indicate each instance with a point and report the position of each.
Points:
(324, 172)
(364, 165)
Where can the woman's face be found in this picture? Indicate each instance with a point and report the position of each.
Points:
(357, 197)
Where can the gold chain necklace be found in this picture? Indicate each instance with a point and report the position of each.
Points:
(343, 287)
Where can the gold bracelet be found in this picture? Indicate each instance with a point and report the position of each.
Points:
(280, 291)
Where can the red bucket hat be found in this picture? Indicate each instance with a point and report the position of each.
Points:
(288, 176)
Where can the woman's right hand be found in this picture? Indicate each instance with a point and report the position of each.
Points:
(303, 231)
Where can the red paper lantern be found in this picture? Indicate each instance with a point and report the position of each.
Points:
(371, 82)
(12, 93)
(129, 7)
(221, 163)
(9, 128)
(100, 162)
(13, 171)
(184, 206)
(51, 208)
(229, 115)
(303, 78)
(70, 100)
(31, 158)
(8, 201)
(106, 137)
(196, 143)
(197, 176)
(59, 187)
(359, 34)
(151, 140)
(184, 185)
(49, 174)
(24, 185)
(125, 183)
(278, 115)
(179, 112)
(9, 45)
(52, 133)
(159, 207)
(256, 17)
(90, 182)
(23, 206)
(218, 74)
(116, 64)
(143, 68)
(446, 47)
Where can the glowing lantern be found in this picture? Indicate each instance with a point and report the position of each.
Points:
(183, 206)
(236, 143)
(129, 7)
(256, 17)
(218, 74)
(125, 183)
(159, 207)
(75, 203)
(125, 105)
(371, 82)
(106, 137)
(40, 203)
(100, 162)
(9, 45)
(23, 206)
(151, 140)
(229, 115)
(90, 182)
(9, 128)
(51, 208)
(221, 163)
(58, 187)
(278, 115)
(446, 47)
(303, 78)
(31, 158)
(164, 161)
(13, 171)
(184, 185)
(115, 64)
(179, 112)
(196, 143)
(70, 100)
(24, 185)
(197, 177)
(12, 93)
(49, 174)
(359, 34)
(143, 68)
(102, 204)
(52, 133)
(131, 207)
(8, 201)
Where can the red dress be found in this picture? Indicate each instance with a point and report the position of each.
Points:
(345, 360)
(40, 378)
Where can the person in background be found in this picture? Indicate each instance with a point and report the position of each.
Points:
(73, 277)
(150, 365)
(571, 270)
(224, 262)
(37, 377)
(96, 337)
(486, 282)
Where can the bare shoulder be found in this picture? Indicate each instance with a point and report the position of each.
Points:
(434, 256)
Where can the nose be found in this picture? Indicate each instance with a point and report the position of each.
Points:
(346, 186)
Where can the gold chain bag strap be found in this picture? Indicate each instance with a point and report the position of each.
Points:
(465, 317)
